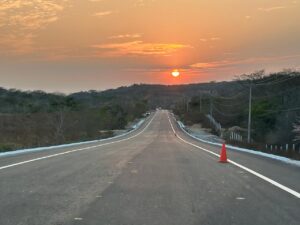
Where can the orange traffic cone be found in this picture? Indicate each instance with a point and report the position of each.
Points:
(223, 156)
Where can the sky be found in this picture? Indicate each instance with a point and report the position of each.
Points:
(74, 45)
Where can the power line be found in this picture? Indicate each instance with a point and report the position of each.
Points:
(278, 94)
(226, 114)
(278, 111)
(267, 79)
(231, 97)
(228, 105)
(276, 82)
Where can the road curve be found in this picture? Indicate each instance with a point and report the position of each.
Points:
(147, 177)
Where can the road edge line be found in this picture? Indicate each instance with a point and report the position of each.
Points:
(77, 150)
(269, 180)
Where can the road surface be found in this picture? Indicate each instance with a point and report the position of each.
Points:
(149, 177)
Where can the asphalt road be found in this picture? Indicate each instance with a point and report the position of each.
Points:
(148, 177)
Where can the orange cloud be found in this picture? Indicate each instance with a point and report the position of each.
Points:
(20, 20)
(104, 13)
(122, 36)
(13, 44)
(139, 48)
(141, 3)
(270, 9)
(30, 15)
(232, 62)
(210, 39)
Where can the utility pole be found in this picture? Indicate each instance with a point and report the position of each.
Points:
(250, 113)
(187, 105)
(211, 105)
(201, 103)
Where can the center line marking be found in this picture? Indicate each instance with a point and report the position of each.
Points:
(79, 219)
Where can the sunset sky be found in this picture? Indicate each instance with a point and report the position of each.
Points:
(72, 45)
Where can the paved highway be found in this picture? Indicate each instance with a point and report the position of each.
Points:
(149, 177)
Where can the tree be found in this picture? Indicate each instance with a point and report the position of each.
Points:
(256, 76)
(60, 108)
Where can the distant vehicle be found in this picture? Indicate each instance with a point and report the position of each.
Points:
(147, 114)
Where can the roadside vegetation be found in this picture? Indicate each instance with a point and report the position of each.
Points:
(275, 111)
(32, 119)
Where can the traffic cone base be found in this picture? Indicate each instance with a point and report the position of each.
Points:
(223, 155)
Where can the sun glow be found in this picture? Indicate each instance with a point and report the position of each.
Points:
(175, 73)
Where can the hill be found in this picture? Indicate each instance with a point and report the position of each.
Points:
(36, 118)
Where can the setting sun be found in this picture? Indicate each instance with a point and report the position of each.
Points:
(175, 73)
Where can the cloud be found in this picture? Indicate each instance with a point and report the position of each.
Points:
(141, 3)
(13, 44)
(270, 9)
(215, 38)
(104, 13)
(233, 62)
(210, 39)
(138, 48)
(123, 36)
(21, 19)
(23, 14)
(11, 4)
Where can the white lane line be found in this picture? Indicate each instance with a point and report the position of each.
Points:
(273, 182)
(57, 147)
(77, 150)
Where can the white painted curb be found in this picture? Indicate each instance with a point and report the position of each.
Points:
(275, 157)
(29, 150)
